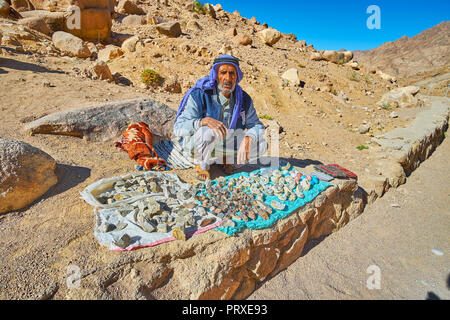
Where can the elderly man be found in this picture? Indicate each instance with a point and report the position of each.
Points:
(217, 115)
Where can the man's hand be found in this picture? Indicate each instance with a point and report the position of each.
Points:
(215, 125)
(243, 155)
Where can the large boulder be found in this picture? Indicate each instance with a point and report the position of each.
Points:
(70, 45)
(95, 25)
(400, 98)
(243, 40)
(292, 77)
(338, 57)
(26, 173)
(56, 21)
(107, 121)
(129, 7)
(170, 29)
(37, 24)
(269, 36)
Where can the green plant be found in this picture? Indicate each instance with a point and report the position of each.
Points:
(354, 76)
(386, 106)
(150, 77)
(265, 116)
(198, 7)
(362, 147)
(301, 65)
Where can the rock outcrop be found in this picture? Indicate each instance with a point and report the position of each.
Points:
(70, 44)
(107, 121)
(292, 77)
(37, 24)
(170, 29)
(129, 7)
(269, 36)
(109, 52)
(56, 21)
(26, 173)
(404, 97)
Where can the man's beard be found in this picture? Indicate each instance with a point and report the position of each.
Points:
(224, 90)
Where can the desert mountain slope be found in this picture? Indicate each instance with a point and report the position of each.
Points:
(419, 57)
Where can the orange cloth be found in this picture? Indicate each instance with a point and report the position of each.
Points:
(138, 142)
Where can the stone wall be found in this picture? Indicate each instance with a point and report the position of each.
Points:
(399, 152)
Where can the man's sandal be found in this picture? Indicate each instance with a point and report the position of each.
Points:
(199, 172)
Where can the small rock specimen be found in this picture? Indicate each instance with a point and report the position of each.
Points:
(123, 242)
(178, 232)
(207, 221)
(277, 205)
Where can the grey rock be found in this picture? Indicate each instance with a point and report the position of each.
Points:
(124, 241)
(365, 128)
(107, 121)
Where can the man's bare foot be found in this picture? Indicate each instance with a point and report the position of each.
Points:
(228, 168)
(201, 174)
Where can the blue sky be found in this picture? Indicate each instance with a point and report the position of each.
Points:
(334, 24)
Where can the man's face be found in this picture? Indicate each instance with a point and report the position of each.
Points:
(227, 77)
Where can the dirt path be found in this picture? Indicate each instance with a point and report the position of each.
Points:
(405, 234)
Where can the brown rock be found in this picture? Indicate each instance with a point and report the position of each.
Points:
(5, 8)
(110, 52)
(26, 173)
(101, 71)
(173, 86)
(37, 24)
(170, 29)
(243, 40)
(129, 7)
(207, 221)
(56, 21)
(70, 44)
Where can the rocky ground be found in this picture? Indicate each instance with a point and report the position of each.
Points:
(39, 242)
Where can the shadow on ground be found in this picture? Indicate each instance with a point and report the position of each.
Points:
(23, 66)
(68, 177)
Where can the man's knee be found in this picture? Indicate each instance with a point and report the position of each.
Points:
(204, 135)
